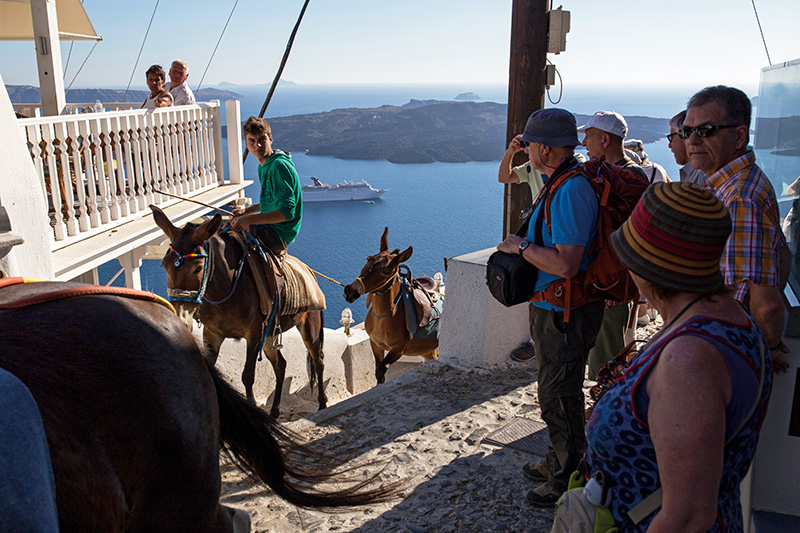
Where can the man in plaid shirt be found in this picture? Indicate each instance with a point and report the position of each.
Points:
(717, 133)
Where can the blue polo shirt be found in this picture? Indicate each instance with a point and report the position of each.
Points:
(573, 213)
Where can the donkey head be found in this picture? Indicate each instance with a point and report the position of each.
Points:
(185, 262)
(379, 272)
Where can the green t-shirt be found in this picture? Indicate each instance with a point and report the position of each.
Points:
(280, 189)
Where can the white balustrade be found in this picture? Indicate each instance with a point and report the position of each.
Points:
(103, 169)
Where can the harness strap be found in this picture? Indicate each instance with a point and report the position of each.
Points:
(61, 294)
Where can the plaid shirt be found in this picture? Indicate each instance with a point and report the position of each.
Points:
(753, 249)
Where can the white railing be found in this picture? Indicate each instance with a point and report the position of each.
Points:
(98, 170)
(35, 110)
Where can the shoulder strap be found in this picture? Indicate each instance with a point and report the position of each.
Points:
(653, 174)
(653, 501)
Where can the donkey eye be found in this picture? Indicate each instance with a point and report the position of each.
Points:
(198, 270)
(387, 271)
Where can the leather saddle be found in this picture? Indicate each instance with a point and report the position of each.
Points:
(424, 295)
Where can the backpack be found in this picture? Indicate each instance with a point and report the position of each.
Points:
(618, 191)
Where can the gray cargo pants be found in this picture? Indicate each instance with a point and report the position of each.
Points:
(561, 352)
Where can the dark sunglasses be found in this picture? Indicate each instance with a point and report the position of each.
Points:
(522, 143)
(671, 136)
(703, 131)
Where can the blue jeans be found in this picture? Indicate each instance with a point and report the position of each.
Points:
(27, 486)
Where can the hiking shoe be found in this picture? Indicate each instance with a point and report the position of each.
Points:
(536, 471)
(543, 496)
(523, 352)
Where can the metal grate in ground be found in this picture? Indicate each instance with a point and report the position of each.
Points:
(522, 434)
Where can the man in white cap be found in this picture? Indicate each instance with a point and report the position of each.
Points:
(604, 137)
(177, 86)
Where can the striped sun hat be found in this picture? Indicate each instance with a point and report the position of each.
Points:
(675, 237)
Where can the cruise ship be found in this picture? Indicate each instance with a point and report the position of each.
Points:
(346, 191)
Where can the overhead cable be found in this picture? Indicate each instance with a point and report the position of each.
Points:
(140, 51)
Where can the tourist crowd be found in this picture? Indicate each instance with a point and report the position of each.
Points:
(674, 422)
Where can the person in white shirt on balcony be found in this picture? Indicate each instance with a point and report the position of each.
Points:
(177, 86)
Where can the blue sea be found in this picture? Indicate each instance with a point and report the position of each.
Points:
(440, 209)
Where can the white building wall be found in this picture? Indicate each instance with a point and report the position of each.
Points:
(21, 196)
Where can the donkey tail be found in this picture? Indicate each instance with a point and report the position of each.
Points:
(265, 450)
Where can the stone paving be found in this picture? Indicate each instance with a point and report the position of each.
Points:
(426, 427)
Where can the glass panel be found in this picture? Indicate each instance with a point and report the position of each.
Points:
(777, 146)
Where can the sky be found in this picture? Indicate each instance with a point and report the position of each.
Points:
(653, 42)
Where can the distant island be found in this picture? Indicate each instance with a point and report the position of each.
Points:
(421, 131)
(467, 96)
(28, 94)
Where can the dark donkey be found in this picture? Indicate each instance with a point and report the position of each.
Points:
(135, 417)
(210, 270)
(386, 320)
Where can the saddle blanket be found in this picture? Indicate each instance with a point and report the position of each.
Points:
(301, 292)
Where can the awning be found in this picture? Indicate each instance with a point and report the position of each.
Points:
(16, 23)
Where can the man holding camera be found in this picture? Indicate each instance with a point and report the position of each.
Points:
(549, 139)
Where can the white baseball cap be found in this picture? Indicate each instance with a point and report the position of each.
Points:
(608, 121)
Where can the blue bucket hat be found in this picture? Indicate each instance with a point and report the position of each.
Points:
(552, 127)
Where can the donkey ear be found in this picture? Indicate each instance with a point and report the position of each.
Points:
(163, 222)
(404, 255)
(208, 228)
(385, 239)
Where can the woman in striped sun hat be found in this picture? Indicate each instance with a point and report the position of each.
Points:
(685, 415)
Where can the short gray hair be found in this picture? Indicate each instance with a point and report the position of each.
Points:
(736, 103)
(678, 119)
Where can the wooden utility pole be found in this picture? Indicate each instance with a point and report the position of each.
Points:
(526, 85)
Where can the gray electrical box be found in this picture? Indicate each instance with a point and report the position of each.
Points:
(549, 75)
(559, 27)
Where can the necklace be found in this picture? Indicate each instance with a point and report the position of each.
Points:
(672, 322)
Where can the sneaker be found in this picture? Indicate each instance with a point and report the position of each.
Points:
(536, 471)
(543, 496)
(524, 352)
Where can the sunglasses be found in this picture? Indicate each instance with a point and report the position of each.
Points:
(703, 131)
(522, 143)
(671, 136)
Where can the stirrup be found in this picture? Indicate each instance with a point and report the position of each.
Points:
(279, 344)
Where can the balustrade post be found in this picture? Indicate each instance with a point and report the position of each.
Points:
(219, 164)
(49, 150)
(107, 172)
(73, 135)
(233, 115)
(208, 159)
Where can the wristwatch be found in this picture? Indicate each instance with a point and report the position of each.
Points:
(522, 245)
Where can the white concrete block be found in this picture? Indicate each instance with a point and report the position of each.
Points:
(359, 362)
(476, 330)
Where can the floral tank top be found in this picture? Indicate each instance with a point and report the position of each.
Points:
(618, 437)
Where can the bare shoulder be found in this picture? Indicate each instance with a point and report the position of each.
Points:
(691, 366)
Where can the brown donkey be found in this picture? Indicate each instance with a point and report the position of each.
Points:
(386, 320)
(207, 276)
(136, 417)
